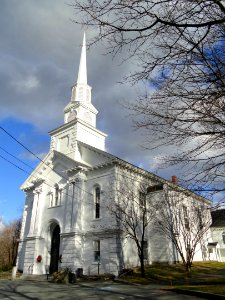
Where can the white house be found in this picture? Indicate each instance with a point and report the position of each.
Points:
(67, 221)
(217, 247)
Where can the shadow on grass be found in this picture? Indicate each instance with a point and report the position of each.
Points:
(202, 273)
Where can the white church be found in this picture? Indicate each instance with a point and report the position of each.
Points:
(67, 221)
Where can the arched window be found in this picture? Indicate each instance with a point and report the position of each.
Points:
(223, 236)
(97, 202)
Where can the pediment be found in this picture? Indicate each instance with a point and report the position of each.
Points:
(52, 166)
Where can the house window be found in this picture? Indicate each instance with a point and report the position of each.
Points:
(97, 250)
(223, 236)
(145, 249)
(97, 202)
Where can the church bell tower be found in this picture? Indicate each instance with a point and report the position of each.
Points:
(79, 117)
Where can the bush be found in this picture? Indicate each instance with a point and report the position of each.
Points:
(62, 276)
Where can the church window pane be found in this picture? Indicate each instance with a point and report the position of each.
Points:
(142, 205)
(51, 200)
(59, 195)
(186, 220)
(97, 250)
(56, 194)
(142, 200)
(97, 202)
(200, 222)
(223, 236)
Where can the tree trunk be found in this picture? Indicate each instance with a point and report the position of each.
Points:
(142, 265)
(188, 269)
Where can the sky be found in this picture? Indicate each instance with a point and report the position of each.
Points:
(39, 58)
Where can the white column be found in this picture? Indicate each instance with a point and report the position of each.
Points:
(34, 214)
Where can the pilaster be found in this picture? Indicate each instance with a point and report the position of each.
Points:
(35, 212)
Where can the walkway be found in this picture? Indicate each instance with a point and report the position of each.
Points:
(33, 290)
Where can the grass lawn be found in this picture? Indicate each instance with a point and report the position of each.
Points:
(205, 276)
(5, 274)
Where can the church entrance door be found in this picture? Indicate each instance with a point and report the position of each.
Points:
(55, 250)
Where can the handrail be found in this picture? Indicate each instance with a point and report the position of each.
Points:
(93, 267)
(30, 268)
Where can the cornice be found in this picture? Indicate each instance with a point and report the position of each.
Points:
(73, 123)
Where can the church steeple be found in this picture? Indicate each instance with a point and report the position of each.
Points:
(80, 106)
(79, 118)
(82, 73)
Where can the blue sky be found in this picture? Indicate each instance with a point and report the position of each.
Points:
(39, 55)
(11, 198)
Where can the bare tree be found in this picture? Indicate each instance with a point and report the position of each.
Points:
(8, 243)
(133, 215)
(184, 220)
(178, 47)
(146, 210)
(187, 110)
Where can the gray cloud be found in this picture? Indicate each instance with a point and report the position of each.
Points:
(40, 51)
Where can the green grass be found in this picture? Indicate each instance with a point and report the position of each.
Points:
(6, 274)
(204, 273)
(205, 277)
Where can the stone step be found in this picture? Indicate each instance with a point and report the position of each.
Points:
(35, 277)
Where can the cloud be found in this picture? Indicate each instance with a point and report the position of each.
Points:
(40, 51)
(25, 85)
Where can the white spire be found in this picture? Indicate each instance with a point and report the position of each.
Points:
(82, 73)
(80, 106)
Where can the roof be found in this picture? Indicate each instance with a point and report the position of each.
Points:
(112, 159)
(109, 159)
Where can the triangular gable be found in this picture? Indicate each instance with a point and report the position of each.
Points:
(48, 164)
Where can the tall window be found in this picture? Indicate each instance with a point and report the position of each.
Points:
(55, 197)
(223, 236)
(51, 200)
(200, 223)
(97, 202)
(58, 194)
(142, 204)
(97, 250)
(186, 220)
(142, 200)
